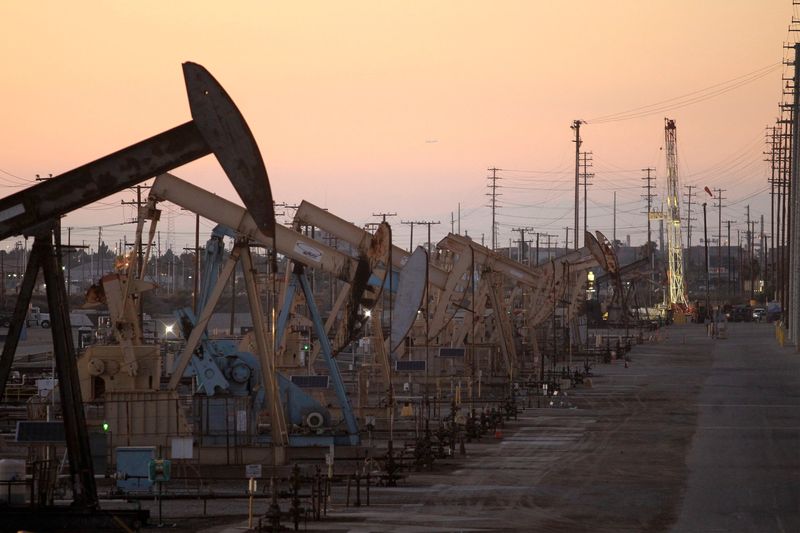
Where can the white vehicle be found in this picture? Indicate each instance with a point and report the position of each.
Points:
(37, 318)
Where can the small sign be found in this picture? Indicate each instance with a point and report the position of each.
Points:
(159, 470)
(308, 251)
(44, 386)
(252, 471)
(182, 448)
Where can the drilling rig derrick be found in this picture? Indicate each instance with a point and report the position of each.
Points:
(676, 295)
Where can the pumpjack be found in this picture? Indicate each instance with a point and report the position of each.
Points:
(364, 275)
(217, 127)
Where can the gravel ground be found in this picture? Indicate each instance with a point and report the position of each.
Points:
(694, 435)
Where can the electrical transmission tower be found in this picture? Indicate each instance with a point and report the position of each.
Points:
(676, 296)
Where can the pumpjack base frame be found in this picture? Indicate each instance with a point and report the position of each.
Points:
(72, 519)
(299, 282)
(311, 441)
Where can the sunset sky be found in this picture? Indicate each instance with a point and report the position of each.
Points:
(367, 107)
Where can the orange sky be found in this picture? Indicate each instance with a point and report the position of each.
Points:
(342, 97)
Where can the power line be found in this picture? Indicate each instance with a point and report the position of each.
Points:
(690, 98)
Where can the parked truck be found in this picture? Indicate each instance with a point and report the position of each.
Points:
(37, 318)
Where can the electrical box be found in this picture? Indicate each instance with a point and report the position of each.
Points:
(159, 470)
(133, 468)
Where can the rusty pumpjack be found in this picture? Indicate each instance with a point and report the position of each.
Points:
(216, 127)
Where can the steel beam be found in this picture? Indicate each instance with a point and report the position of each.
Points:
(18, 320)
(77, 436)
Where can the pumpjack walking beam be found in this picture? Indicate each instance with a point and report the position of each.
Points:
(216, 127)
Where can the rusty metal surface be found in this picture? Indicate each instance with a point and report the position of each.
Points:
(608, 252)
(380, 244)
(597, 250)
(362, 295)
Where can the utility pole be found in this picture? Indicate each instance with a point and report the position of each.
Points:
(566, 240)
(522, 243)
(762, 251)
(793, 176)
(740, 284)
(157, 268)
(720, 198)
(752, 232)
(425, 223)
(494, 194)
(411, 241)
(730, 287)
(689, 195)
(705, 242)
(749, 247)
(614, 231)
(576, 125)
(770, 142)
(384, 215)
(648, 197)
(549, 237)
(586, 161)
(784, 199)
(781, 147)
(427, 307)
(69, 268)
(196, 280)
